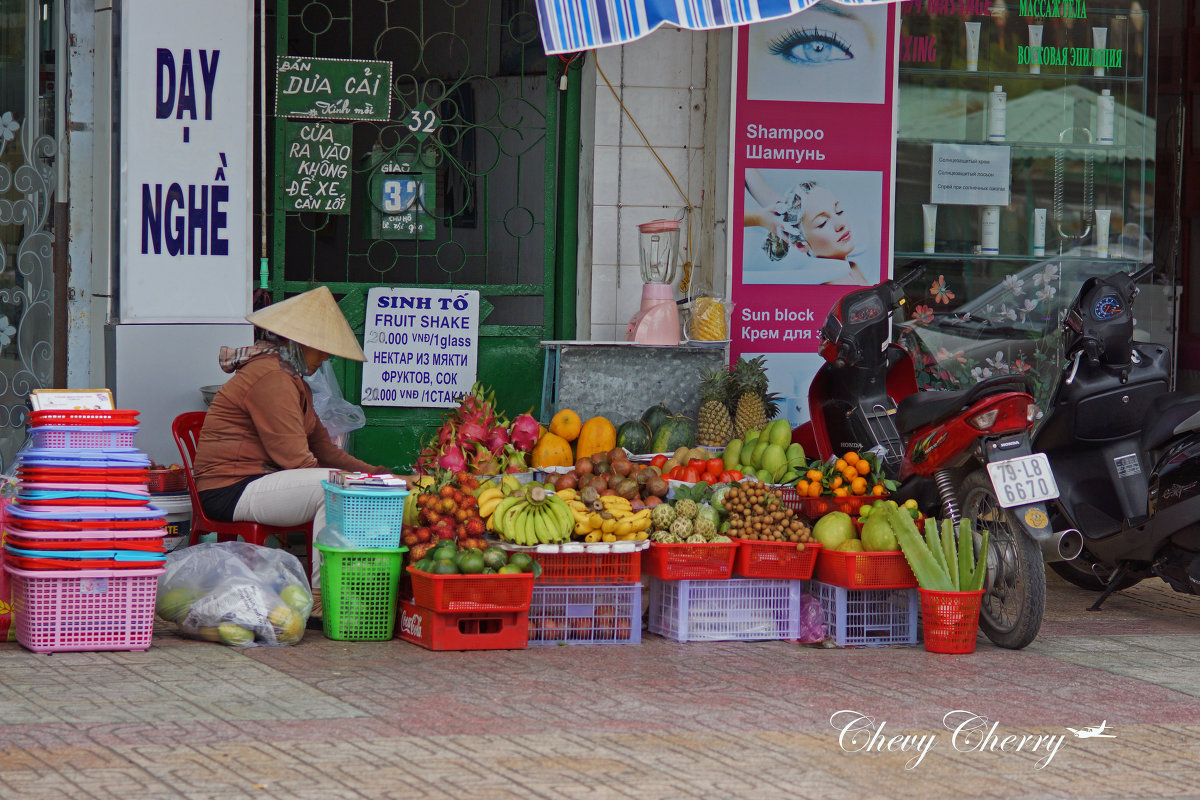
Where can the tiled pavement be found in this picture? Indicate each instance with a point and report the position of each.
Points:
(327, 720)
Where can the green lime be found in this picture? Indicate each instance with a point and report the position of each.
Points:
(471, 562)
(522, 561)
(495, 558)
(444, 567)
(510, 569)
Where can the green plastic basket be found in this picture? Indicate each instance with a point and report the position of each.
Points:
(358, 592)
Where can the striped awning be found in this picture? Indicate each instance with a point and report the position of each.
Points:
(572, 25)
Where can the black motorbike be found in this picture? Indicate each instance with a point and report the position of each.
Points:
(1125, 450)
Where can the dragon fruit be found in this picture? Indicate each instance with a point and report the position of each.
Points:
(452, 459)
(525, 432)
(497, 438)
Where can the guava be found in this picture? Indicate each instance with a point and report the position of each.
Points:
(289, 626)
(175, 604)
(850, 546)
(833, 529)
(297, 597)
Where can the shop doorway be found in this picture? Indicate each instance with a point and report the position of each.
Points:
(30, 356)
(473, 111)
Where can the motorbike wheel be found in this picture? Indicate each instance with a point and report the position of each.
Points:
(1015, 588)
(1086, 579)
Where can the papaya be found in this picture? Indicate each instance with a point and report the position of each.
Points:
(654, 417)
(674, 433)
(552, 451)
(597, 435)
(566, 424)
(635, 436)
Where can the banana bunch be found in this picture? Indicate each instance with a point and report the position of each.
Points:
(607, 519)
(536, 518)
(489, 500)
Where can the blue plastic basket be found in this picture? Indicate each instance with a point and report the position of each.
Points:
(82, 436)
(366, 517)
(868, 617)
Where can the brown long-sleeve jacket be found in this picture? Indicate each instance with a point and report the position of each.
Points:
(261, 421)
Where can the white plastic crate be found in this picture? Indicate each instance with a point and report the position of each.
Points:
(586, 614)
(868, 617)
(82, 437)
(734, 609)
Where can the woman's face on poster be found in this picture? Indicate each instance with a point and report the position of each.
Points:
(825, 225)
(826, 53)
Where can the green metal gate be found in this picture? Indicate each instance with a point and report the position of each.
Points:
(473, 105)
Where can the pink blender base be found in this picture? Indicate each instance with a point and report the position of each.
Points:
(658, 320)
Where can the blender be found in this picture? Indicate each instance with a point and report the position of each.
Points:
(657, 322)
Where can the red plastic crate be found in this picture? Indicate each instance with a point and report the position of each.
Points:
(83, 417)
(686, 562)
(590, 568)
(163, 481)
(758, 559)
(457, 593)
(815, 507)
(499, 630)
(884, 570)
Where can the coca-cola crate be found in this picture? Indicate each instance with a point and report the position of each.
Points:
(475, 630)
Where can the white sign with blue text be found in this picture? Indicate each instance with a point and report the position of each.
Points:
(422, 346)
(187, 178)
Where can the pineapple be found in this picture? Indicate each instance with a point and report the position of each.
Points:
(708, 320)
(755, 407)
(714, 427)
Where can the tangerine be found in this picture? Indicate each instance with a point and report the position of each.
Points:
(859, 485)
(813, 475)
(851, 458)
(836, 482)
(840, 465)
(802, 487)
(840, 492)
(814, 489)
(863, 466)
(877, 490)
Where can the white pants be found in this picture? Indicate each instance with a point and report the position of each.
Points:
(287, 497)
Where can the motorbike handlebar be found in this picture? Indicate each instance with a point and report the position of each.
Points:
(915, 272)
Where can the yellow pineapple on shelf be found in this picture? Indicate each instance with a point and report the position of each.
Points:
(708, 320)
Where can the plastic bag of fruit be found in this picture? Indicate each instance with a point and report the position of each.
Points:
(236, 593)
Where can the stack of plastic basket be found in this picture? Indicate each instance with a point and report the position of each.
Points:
(588, 594)
(83, 544)
(360, 581)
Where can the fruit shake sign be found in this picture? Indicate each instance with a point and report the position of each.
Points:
(186, 171)
(422, 347)
(813, 154)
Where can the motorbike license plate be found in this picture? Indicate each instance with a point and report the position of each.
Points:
(1022, 480)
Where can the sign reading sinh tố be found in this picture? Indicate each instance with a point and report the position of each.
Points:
(333, 88)
(422, 346)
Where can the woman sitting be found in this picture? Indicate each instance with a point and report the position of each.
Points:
(262, 452)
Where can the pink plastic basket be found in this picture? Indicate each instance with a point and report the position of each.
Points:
(63, 610)
(82, 436)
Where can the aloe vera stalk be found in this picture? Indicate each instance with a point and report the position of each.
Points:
(934, 542)
(949, 552)
(980, 572)
(925, 565)
(966, 556)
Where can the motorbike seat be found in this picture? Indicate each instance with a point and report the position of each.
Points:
(1169, 415)
(926, 408)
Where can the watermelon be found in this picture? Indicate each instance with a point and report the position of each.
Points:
(674, 433)
(635, 436)
(655, 416)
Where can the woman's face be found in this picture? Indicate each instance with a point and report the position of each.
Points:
(313, 359)
(825, 225)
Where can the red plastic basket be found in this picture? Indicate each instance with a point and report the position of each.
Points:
(815, 507)
(883, 570)
(686, 562)
(154, 524)
(82, 417)
(590, 568)
(498, 630)
(162, 481)
(81, 475)
(950, 620)
(84, 609)
(758, 559)
(457, 593)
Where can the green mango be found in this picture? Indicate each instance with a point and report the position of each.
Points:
(795, 455)
(779, 433)
(733, 451)
(749, 440)
(759, 450)
(763, 476)
(774, 460)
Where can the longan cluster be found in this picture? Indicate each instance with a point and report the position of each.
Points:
(756, 512)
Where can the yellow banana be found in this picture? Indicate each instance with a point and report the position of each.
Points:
(624, 528)
(490, 493)
(488, 507)
(641, 536)
(611, 500)
(595, 520)
(609, 537)
(593, 536)
(640, 524)
(567, 494)
(609, 525)
(582, 529)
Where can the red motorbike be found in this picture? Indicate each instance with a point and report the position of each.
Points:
(957, 453)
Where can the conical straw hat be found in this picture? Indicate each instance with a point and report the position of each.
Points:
(312, 319)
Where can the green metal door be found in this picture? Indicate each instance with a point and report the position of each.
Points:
(472, 106)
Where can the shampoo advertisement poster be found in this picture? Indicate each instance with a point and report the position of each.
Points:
(813, 157)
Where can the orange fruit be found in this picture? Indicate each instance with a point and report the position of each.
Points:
(802, 487)
(814, 490)
(849, 473)
(839, 465)
(840, 493)
(877, 490)
(836, 482)
(851, 458)
(813, 475)
(859, 485)
(862, 466)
